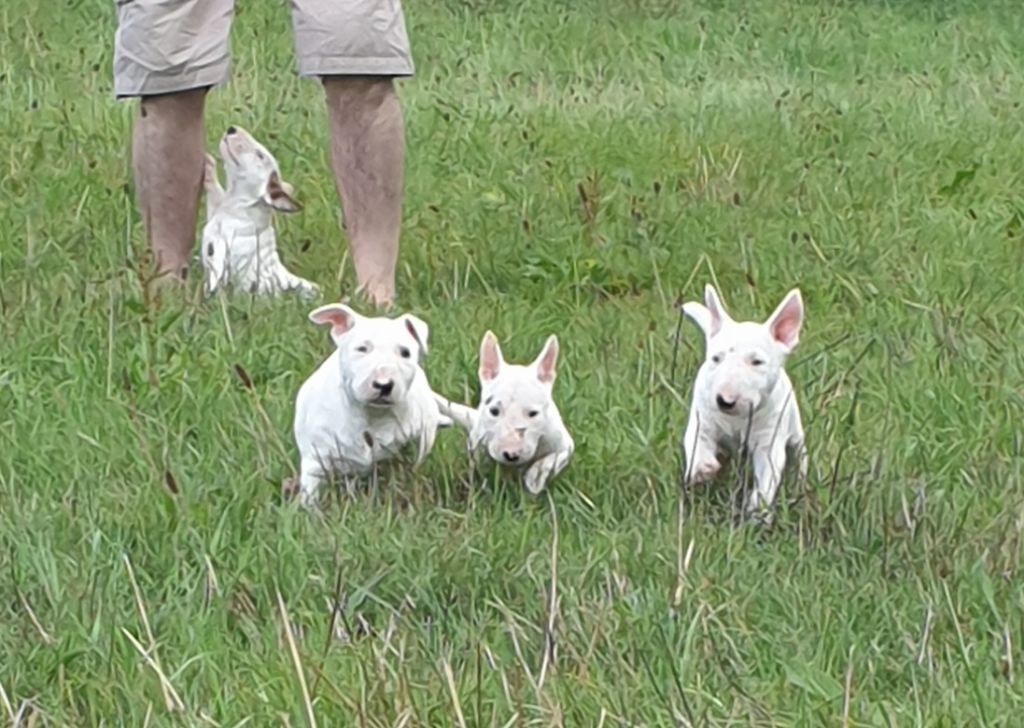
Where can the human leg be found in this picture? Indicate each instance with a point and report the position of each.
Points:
(169, 55)
(357, 48)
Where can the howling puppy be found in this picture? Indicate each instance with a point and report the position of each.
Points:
(239, 246)
(517, 420)
(367, 400)
(743, 401)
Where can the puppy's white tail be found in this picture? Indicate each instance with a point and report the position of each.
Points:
(460, 414)
(699, 314)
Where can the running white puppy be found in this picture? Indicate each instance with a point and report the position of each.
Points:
(517, 420)
(239, 245)
(743, 401)
(366, 401)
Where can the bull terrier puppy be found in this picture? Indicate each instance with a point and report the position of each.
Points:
(239, 248)
(517, 420)
(366, 401)
(743, 401)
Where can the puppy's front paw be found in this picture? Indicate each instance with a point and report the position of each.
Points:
(704, 471)
(308, 291)
(759, 514)
(291, 491)
(209, 170)
(535, 478)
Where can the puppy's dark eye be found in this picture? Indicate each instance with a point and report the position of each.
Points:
(757, 362)
(494, 411)
(533, 413)
(260, 156)
(362, 349)
(717, 358)
(404, 352)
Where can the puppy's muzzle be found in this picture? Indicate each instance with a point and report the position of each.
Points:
(231, 130)
(510, 457)
(724, 404)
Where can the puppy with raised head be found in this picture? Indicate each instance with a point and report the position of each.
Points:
(517, 421)
(743, 401)
(239, 248)
(366, 401)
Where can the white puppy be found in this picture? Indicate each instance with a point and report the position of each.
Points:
(239, 245)
(368, 399)
(517, 420)
(743, 401)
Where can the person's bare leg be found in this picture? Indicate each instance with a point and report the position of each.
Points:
(168, 158)
(367, 155)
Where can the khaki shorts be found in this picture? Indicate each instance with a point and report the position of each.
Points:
(163, 46)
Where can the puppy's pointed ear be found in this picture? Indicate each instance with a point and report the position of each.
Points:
(418, 329)
(547, 361)
(785, 323)
(491, 360)
(699, 314)
(338, 315)
(278, 195)
(716, 308)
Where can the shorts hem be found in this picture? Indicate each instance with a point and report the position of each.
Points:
(351, 66)
(155, 84)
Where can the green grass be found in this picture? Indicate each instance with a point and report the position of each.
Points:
(868, 152)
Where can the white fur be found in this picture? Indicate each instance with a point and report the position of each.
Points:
(239, 247)
(517, 420)
(743, 401)
(367, 400)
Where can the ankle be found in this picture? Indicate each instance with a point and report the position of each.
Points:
(377, 294)
(171, 267)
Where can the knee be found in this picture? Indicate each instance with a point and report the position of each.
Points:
(190, 101)
(360, 91)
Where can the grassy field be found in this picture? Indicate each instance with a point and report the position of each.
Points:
(576, 171)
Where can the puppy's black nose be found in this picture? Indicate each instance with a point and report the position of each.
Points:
(724, 404)
(232, 130)
(510, 457)
(384, 387)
